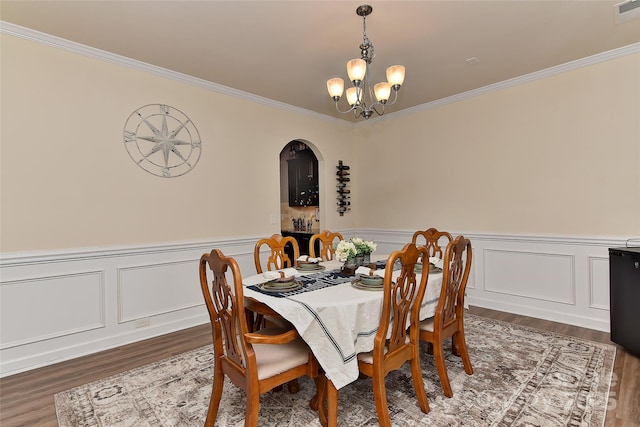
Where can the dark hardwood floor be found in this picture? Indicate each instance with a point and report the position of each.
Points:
(26, 399)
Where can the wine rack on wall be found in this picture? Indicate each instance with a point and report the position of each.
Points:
(342, 188)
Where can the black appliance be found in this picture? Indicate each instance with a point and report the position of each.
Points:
(624, 294)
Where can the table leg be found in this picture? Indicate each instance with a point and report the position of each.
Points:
(332, 404)
(250, 315)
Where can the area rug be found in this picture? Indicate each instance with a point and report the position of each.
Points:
(522, 377)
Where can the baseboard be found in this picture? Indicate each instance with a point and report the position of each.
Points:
(61, 354)
(555, 316)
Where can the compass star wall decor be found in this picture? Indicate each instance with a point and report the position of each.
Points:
(162, 140)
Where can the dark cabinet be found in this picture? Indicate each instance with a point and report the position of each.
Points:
(303, 179)
(303, 240)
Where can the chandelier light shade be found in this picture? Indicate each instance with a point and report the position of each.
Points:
(335, 87)
(360, 96)
(356, 69)
(395, 75)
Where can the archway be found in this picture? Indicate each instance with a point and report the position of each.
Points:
(299, 193)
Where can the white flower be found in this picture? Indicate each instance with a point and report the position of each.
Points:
(345, 251)
(371, 245)
(363, 247)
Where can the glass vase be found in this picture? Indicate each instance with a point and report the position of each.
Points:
(349, 267)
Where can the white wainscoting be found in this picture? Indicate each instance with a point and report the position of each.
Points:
(559, 278)
(60, 305)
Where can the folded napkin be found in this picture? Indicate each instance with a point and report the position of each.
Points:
(436, 261)
(307, 258)
(368, 271)
(271, 275)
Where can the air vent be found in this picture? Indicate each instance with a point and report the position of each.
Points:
(626, 11)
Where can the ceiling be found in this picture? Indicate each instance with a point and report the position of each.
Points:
(286, 50)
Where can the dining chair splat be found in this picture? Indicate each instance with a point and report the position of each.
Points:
(432, 238)
(327, 250)
(277, 258)
(256, 362)
(448, 320)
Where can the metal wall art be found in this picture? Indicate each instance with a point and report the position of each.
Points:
(162, 140)
(342, 187)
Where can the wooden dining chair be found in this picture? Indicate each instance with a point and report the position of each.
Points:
(448, 320)
(277, 258)
(432, 241)
(326, 238)
(256, 362)
(394, 343)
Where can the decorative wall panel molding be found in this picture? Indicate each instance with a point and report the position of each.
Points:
(545, 276)
(32, 310)
(155, 289)
(598, 274)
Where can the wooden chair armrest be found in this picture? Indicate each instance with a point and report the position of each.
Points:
(256, 338)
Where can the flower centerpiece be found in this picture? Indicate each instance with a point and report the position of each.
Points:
(345, 251)
(364, 249)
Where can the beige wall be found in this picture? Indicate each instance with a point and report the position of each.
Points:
(559, 155)
(68, 182)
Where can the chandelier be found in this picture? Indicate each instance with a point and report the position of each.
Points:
(360, 96)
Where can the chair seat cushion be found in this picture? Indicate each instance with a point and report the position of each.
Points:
(368, 356)
(427, 325)
(273, 359)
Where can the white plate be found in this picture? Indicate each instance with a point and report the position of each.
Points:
(374, 280)
(310, 267)
(278, 287)
(359, 285)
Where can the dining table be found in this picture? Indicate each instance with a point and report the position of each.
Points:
(334, 316)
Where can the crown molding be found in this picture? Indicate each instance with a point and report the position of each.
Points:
(527, 78)
(47, 39)
(91, 52)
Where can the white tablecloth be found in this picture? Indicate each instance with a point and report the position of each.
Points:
(338, 322)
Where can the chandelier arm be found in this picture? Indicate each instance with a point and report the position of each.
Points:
(353, 107)
(395, 98)
(373, 108)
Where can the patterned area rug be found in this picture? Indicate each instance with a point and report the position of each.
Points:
(522, 376)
